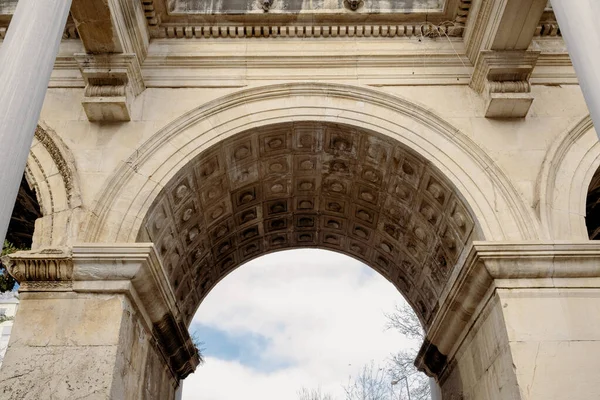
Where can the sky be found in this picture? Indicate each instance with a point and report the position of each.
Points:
(292, 319)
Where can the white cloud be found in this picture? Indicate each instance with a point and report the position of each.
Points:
(322, 312)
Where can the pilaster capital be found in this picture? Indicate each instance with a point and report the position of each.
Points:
(492, 265)
(131, 269)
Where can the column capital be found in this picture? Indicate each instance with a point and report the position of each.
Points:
(488, 266)
(130, 269)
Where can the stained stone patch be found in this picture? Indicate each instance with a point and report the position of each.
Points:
(316, 185)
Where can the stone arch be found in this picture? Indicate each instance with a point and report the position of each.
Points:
(127, 196)
(310, 184)
(51, 172)
(564, 181)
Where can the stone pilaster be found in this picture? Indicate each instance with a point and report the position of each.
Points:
(96, 320)
(517, 319)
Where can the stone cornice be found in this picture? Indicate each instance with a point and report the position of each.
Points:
(130, 269)
(488, 263)
(385, 30)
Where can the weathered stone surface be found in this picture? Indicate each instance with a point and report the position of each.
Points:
(376, 92)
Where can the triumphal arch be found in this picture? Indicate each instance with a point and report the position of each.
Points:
(448, 144)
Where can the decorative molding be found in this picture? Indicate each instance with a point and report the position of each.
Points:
(307, 31)
(150, 12)
(64, 161)
(506, 264)
(45, 265)
(562, 184)
(503, 66)
(163, 23)
(547, 29)
(548, 26)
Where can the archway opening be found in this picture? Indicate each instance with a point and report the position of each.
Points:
(300, 321)
(22, 221)
(592, 217)
(310, 185)
(19, 235)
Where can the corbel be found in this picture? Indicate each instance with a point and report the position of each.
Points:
(502, 77)
(112, 81)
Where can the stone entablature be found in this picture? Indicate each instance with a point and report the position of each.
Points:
(443, 38)
(189, 19)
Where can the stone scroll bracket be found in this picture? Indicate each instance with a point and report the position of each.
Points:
(116, 37)
(131, 269)
(498, 35)
(492, 266)
(502, 77)
(112, 81)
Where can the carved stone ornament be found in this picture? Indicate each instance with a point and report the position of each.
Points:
(44, 269)
(266, 4)
(353, 4)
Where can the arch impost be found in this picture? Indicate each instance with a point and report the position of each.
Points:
(130, 269)
(507, 265)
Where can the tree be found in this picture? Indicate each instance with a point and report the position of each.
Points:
(401, 365)
(372, 383)
(7, 282)
(398, 379)
(198, 344)
(313, 394)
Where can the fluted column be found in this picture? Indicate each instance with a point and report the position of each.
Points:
(27, 57)
(578, 23)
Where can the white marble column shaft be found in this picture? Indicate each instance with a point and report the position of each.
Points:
(27, 58)
(578, 21)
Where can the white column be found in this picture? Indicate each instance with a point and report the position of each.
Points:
(578, 23)
(27, 57)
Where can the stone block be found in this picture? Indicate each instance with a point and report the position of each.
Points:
(508, 105)
(107, 109)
